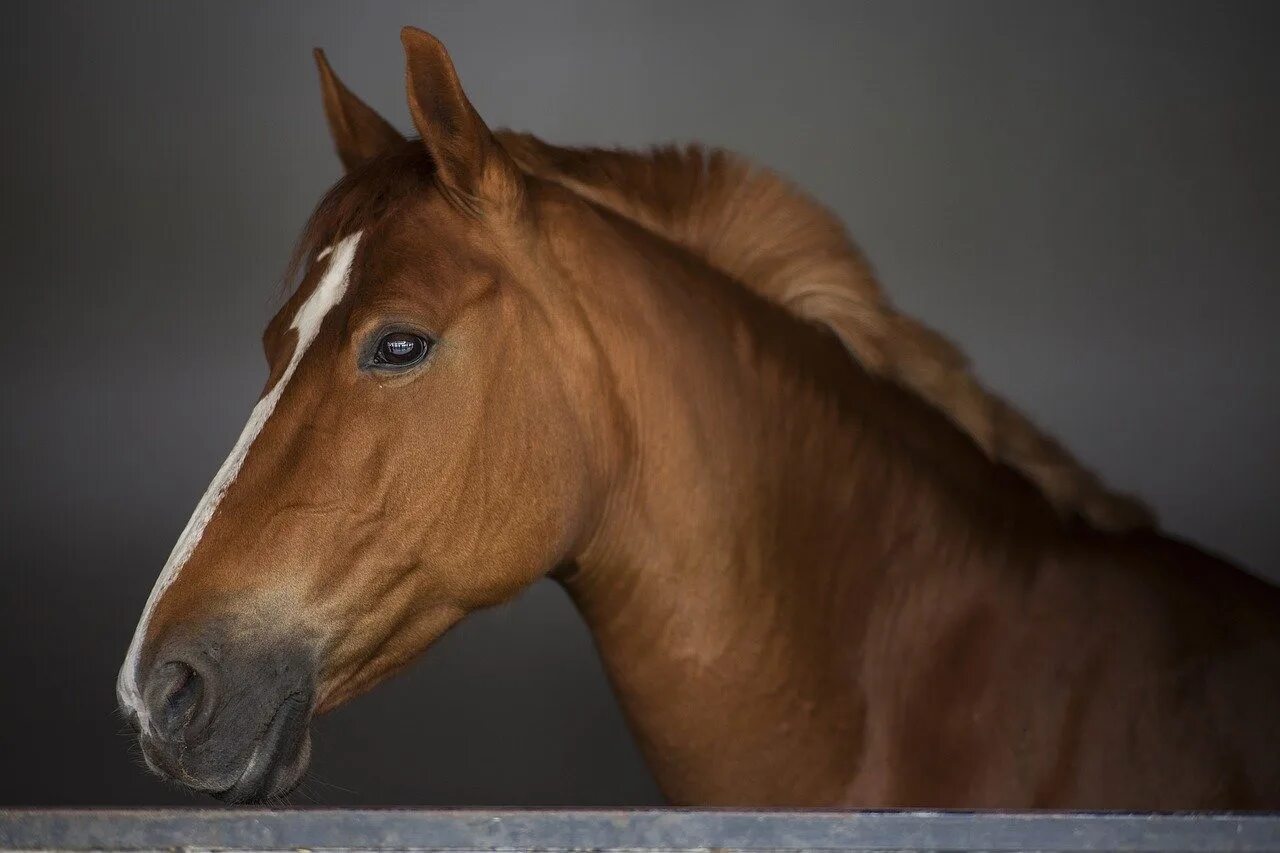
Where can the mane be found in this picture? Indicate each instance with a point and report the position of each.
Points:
(769, 236)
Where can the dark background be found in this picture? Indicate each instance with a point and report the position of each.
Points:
(1085, 195)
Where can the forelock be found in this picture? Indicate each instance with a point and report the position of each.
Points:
(360, 200)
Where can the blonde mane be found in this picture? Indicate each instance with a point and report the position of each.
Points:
(753, 225)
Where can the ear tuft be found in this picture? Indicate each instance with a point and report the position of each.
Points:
(359, 133)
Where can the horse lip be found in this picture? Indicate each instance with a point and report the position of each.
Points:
(287, 726)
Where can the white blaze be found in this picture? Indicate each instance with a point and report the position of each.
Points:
(328, 293)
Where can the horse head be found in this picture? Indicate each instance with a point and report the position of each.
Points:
(419, 450)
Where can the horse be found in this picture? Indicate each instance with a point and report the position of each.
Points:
(824, 566)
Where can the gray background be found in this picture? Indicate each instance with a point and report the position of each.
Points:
(1085, 195)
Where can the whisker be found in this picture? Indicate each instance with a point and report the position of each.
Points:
(314, 778)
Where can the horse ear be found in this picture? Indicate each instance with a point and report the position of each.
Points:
(358, 132)
(469, 161)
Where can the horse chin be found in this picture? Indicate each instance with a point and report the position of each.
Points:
(278, 760)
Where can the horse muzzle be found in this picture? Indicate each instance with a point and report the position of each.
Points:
(227, 713)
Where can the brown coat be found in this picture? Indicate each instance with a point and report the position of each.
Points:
(823, 565)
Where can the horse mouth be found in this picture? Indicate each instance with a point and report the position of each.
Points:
(279, 756)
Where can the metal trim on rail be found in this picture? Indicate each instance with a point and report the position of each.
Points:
(643, 830)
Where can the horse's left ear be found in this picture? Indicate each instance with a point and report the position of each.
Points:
(469, 161)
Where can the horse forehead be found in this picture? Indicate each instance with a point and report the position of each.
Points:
(423, 265)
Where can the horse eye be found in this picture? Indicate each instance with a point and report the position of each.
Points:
(400, 349)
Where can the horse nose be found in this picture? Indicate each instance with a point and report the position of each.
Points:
(178, 698)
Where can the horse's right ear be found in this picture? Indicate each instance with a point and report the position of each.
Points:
(358, 132)
(470, 164)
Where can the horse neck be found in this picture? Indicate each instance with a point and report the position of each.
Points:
(766, 487)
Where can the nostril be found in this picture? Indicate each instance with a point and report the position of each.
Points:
(179, 694)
